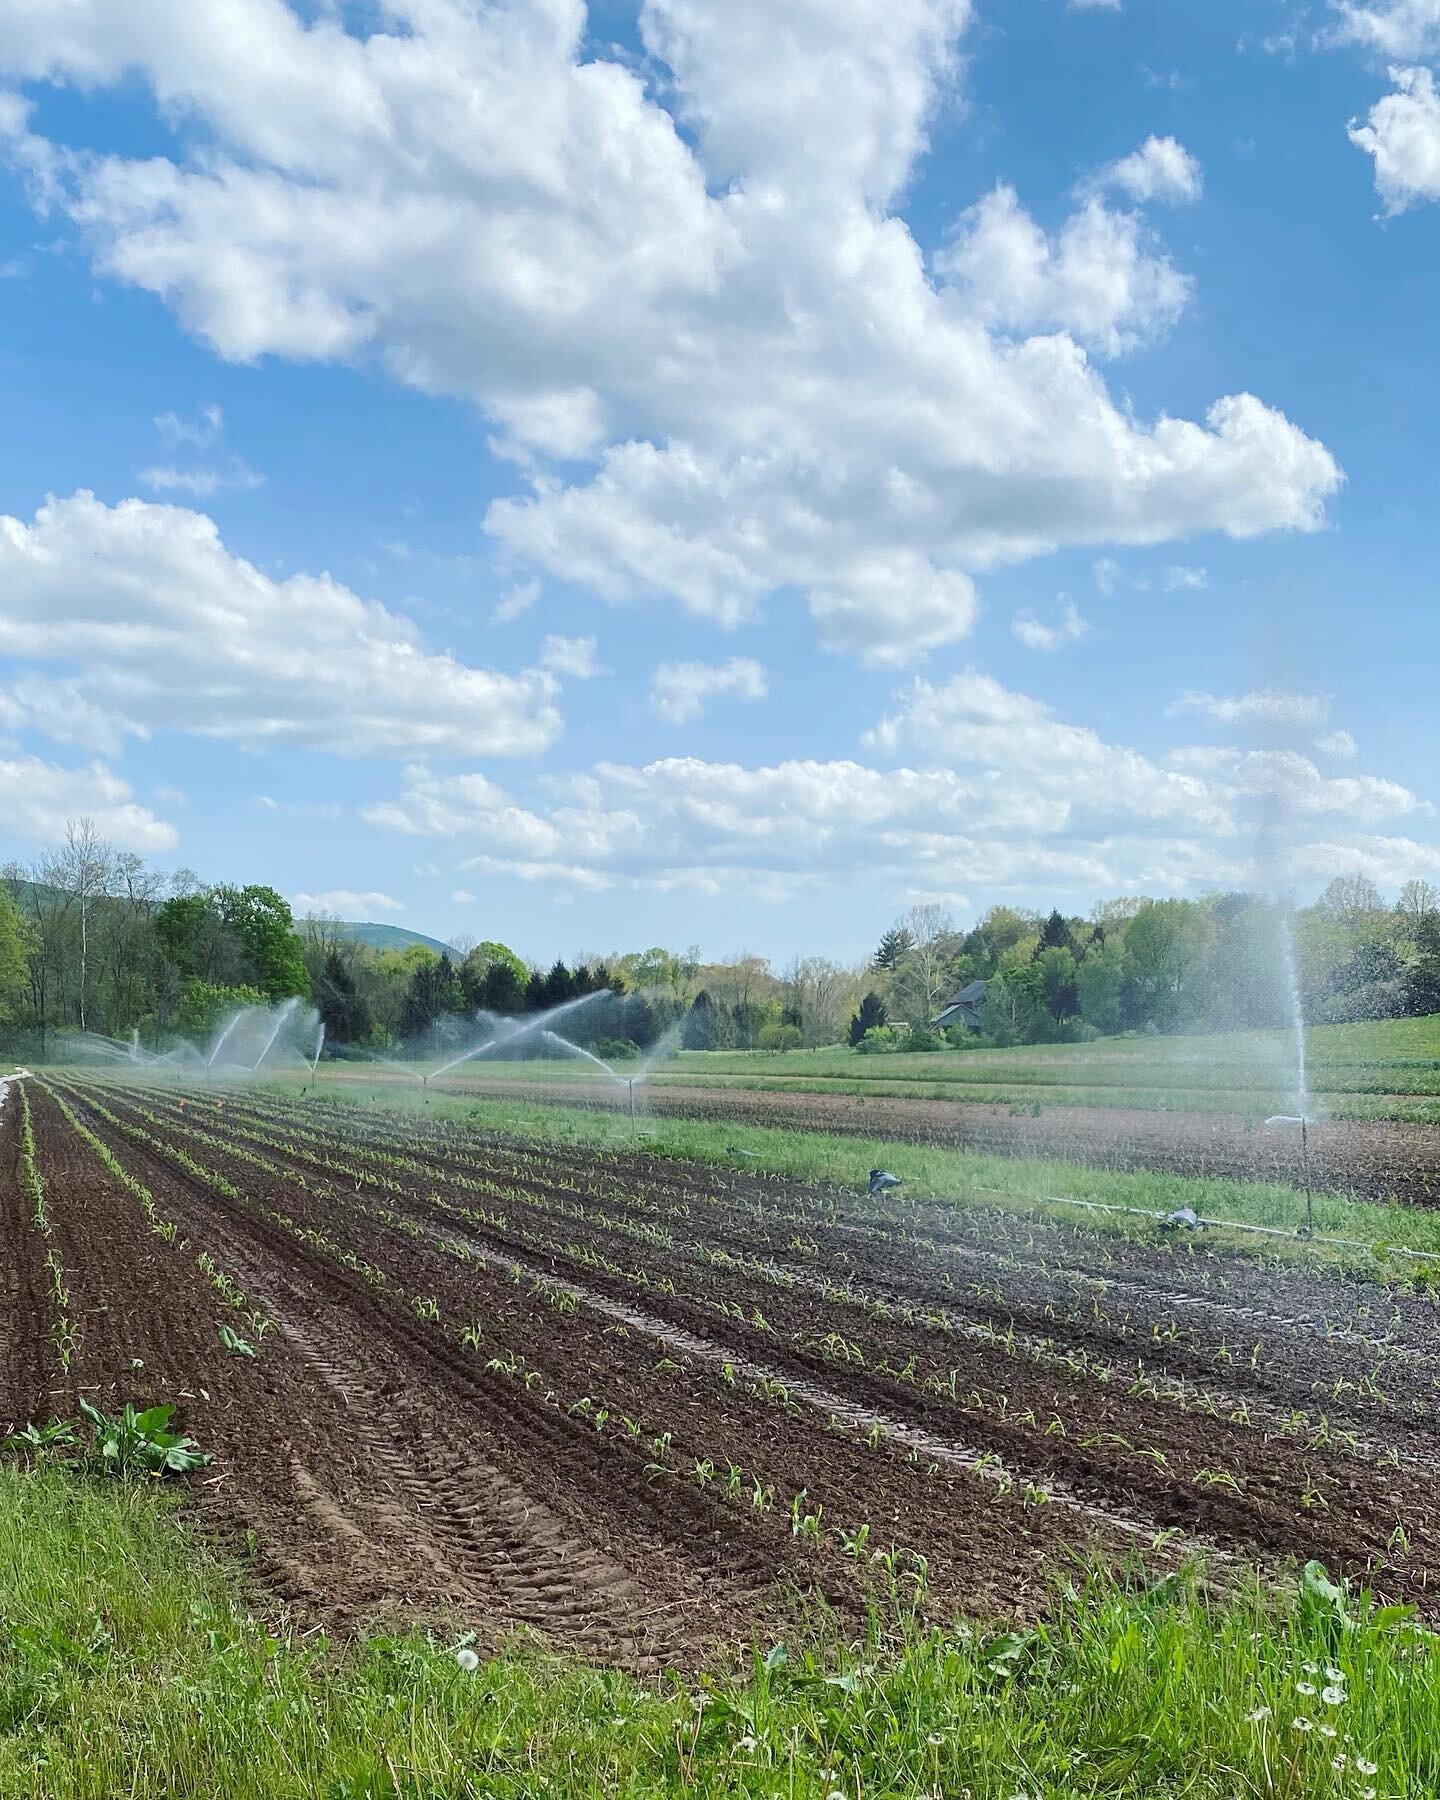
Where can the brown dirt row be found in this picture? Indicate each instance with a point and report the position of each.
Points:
(1196, 1314)
(1344, 1510)
(29, 1365)
(401, 1384)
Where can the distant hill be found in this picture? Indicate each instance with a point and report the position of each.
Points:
(387, 937)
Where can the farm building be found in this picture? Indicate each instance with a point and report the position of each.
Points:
(962, 1008)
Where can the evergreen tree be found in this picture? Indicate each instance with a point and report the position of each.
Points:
(893, 947)
(343, 1011)
(558, 986)
(1055, 934)
(501, 989)
(699, 1032)
(433, 991)
(869, 1018)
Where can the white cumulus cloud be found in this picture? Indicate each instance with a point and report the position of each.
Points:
(1339, 744)
(680, 691)
(37, 797)
(1161, 169)
(705, 335)
(144, 621)
(1264, 706)
(966, 774)
(1402, 134)
(1403, 28)
(1036, 634)
(346, 903)
(1101, 278)
(572, 656)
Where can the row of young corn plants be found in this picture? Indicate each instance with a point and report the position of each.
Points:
(257, 1320)
(719, 1476)
(1041, 1352)
(1142, 1383)
(802, 1243)
(64, 1333)
(1107, 1447)
(990, 1465)
(935, 1380)
(996, 1404)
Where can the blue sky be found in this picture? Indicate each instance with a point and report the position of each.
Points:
(720, 472)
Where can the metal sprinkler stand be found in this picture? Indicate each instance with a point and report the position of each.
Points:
(1305, 1177)
(634, 1128)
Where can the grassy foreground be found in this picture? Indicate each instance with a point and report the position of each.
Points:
(1035, 1186)
(131, 1664)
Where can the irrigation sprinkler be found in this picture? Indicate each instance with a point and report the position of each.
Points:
(1305, 1182)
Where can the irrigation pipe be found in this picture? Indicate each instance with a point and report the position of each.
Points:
(1279, 1231)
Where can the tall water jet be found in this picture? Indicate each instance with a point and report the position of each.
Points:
(570, 1049)
(280, 1018)
(1286, 932)
(235, 1019)
(517, 1029)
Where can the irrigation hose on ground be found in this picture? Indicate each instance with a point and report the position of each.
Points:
(1280, 1231)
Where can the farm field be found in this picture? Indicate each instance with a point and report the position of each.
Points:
(1379, 1070)
(634, 1404)
(1374, 1159)
(1370, 1069)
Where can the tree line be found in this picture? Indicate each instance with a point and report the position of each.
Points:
(1219, 963)
(93, 939)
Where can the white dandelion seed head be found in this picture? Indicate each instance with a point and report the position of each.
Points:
(467, 1660)
(1363, 1767)
(1333, 1696)
(1304, 1687)
(1326, 1730)
(1301, 1724)
(1260, 1712)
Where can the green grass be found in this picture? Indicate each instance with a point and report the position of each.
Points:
(133, 1664)
(1385, 1069)
(1020, 1184)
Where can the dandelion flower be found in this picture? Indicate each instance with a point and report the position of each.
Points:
(1304, 1687)
(1301, 1724)
(467, 1660)
(1260, 1712)
(1338, 1762)
(1362, 1767)
(1326, 1730)
(1333, 1696)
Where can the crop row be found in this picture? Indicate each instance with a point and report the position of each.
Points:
(720, 1477)
(64, 1333)
(1015, 1421)
(1039, 1348)
(257, 1320)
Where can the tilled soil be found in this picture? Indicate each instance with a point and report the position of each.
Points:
(1370, 1160)
(632, 1403)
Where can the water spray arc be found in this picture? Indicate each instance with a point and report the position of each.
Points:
(280, 1018)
